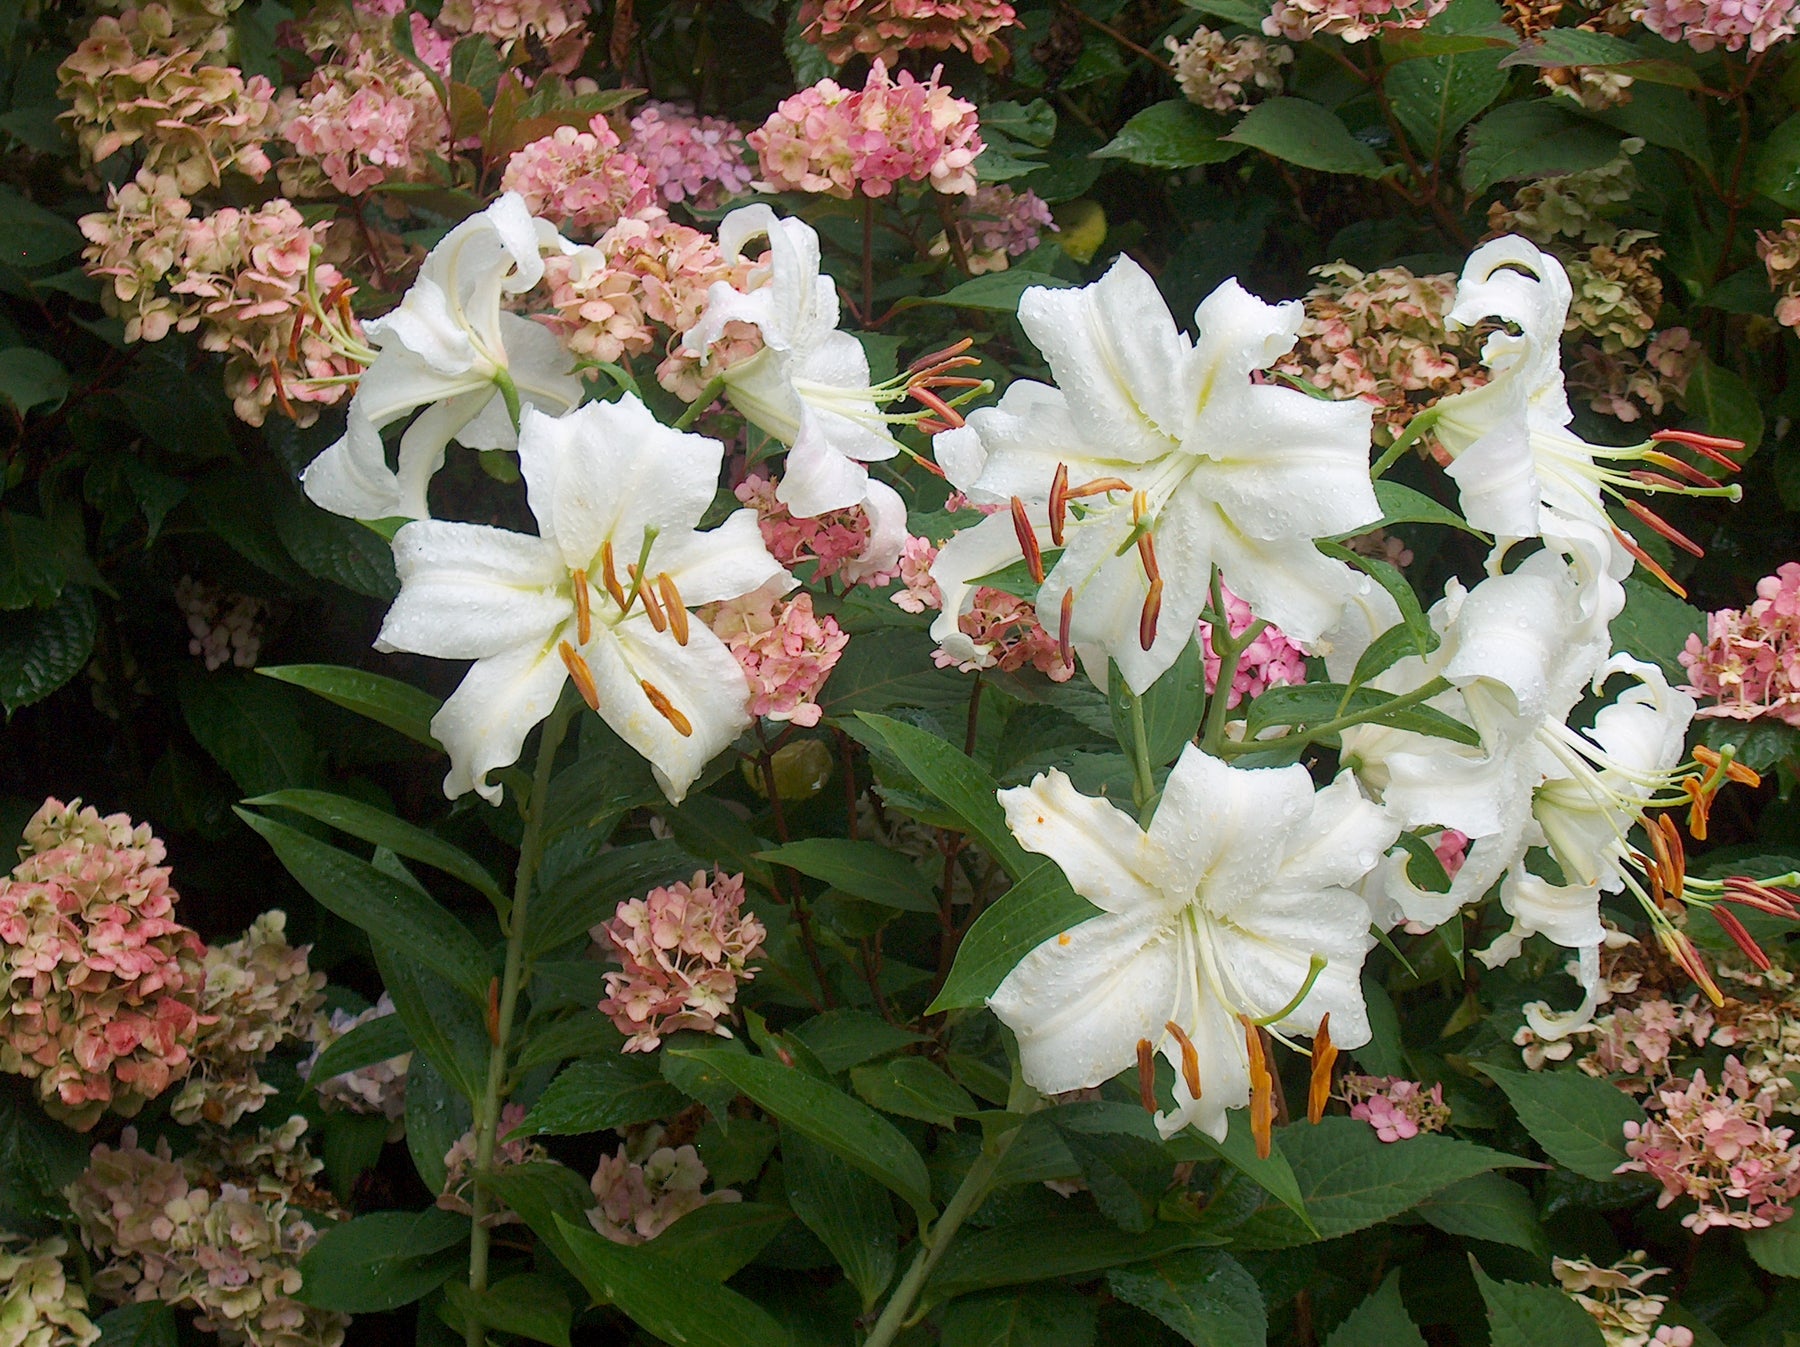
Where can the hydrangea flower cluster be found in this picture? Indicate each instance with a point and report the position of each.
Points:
(1381, 336)
(1716, 1147)
(1705, 24)
(1749, 663)
(645, 1187)
(379, 1087)
(39, 1305)
(1629, 384)
(837, 541)
(259, 994)
(786, 650)
(367, 117)
(583, 181)
(1595, 88)
(1003, 628)
(1351, 20)
(689, 159)
(219, 1233)
(226, 628)
(99, 984)
(1571, 205)
(1227, 74)
(998, 225)
(1397, 1109)
(882, 29)
(840, 141)
(559, 27)
(1618, 291)
(1615, 1297)
(1271, 660)
(1779, 250)
(1383, 546)
(144, 79)
(459, 1165)
(684, 950)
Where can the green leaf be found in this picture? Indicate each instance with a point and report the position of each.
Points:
(383, 829)
(995, 292)
(1351, 1180)
(249, 727)
(1490, 1207)
(1380, 1321)
(446, 1026)
(844, 1038)
(609, 1092)
(1776, 1248)
(1306, 134)
(1423, 867)
(1579, 1121)
(913, 1088)
(574, 898)
(1037, 1250)
(1388, 649)
(541, 1191)
(1655, 625)
(336, 549)
(718, 1240)
(383, 1260)
(1662, 115)
(1172, 706)
(1437, 96)
(1204, 1295)
(1399, 588)
(32, 572)
(880, 670)
(43, 648)
(1758, 744)
(436, 1115)
(1039, 1315)
(1401, 504)
(370, 1042)
(1573, 46)
(1171, 134)
(1274, 1175)
(864, 870)
(148, 1323)
(1038, 908)
(852, 1215)
(529, 1305)
(659, 1297)
(1316, 703)
(850, 1129)
(31, 236)
(32, 378)
(387, 701)
(1727, 404)
(1522, 1315)
(1534, 139)
(1776, 173)
(393, 913)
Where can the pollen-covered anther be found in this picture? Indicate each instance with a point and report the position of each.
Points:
(1679, 466)
(1146, 1064)
(1699, 806)
(1681, 950)
(1763, 897)
(1324, 1058)
(1665, 528)
(951, 418)
(1648, 562)
(1065, 647)
(584, 614)
(1190, 1058)
(1740, 937)
(1715, 447)
(1713, 761)
(673, 608)
(1671, 857)
(926, 363)
(1262, 1090)
(1059, 503)
(666, 708)
(1098, 487)
(1028, 543)
(1147, 554)
(610, 576)
(647, 595)
(1152, 611)
(580, 674)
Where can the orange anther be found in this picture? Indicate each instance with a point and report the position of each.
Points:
(926, 361)
(581, 674)
(1190, 1058)
(584, 617)
(1146, 1055)
(1699, 806)
(610, 577)
(1665, 528)
(1098, 487)
(674, 609)
(652, 609)
(1064, 646)
(1318, 1088)
(1147, 618)
(1059, 503)
(1680, 467)
(1648, 562)
(1740, 937)
(1262, 1090)
(1682, 950)
(1734, 770)
(1028, 543)
(945, 412)
(666, 708)
(1147, 554)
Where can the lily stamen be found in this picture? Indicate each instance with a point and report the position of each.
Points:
(1740, 937)
(580, 674)
(647, 594)
(673, 607)
(1324, 1058)
(1098, 487)
(1714, 761)
(1152, 611)
(1682, 951)
(610, 577)
(1146, 1064)
(584, 617)
(1714, 447)
(639, 572)
(1648, 562)
(1063, 645)
(1314, 967)
(666, 708)
(1190, 1058)
(945, 412)
(1059, 503)
(1028, 543)
(1262, 1090)
(925, 362)
(1666, 529)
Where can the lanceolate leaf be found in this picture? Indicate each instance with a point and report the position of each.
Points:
(1036, 909)
(383, 829)
(373, 1041)
(387, 701)
(383, 1261)
(864, 870)
(852, 1215)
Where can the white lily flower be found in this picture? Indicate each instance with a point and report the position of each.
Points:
(809, 385)
(1154, 459)
(600, 595)
(452, 349)
(1236, 901)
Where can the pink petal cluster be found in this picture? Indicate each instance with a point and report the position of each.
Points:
(684, 950)
(1004, 627)
(1615, 1298)
(558, 27)
(99, 984)
(1226, 74)
(1397, 1109)
(226, 627)
(1381, 336)
(142, 79)
(689, 159)
(1352, 20)
(837, 540)
(1452, 849)
(882, 29)
(1271, 660)
(644, 1188)
(839, 142)
(219, 1233)
(459, 1165)
(1627, 384)
(1705, 24)
(366, 117)
(1750, 660)
(786, 651)
(1716, 1147)
(582, 180)
(259, 994)
(998, 225)
(1383, 546)
(1779, 250)
(377, 1088)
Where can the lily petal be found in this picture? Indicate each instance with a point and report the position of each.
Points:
(483, 724)
(468, 591)
(1104, 853)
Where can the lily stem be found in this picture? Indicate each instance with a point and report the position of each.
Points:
(487, 1114)
(1230, 650)
(1143, 788)
(708, 396)
(1403, 441)
(1325, 728)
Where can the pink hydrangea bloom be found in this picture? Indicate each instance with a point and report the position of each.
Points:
(1615, 1298)
(1779, 250)
(1705, 24)
(99, 984)
(582, 180)
(839, 142)
(787, 652)
(1749, 662)
(684, 950)
(691, 159)
(1351, 20)
(1395, 1108)
(1004, 627)
(1226, 74)
(836, 540)
(640, 1192)
(558, 27)
(1716, 1147)
(998, 225)
(1271, 660)
(459, 1165)
(1452, 849)
(367, 118)
(377, 1088)
(882, 29)
(1383, 546)
(226, 628)
(1627, 384)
